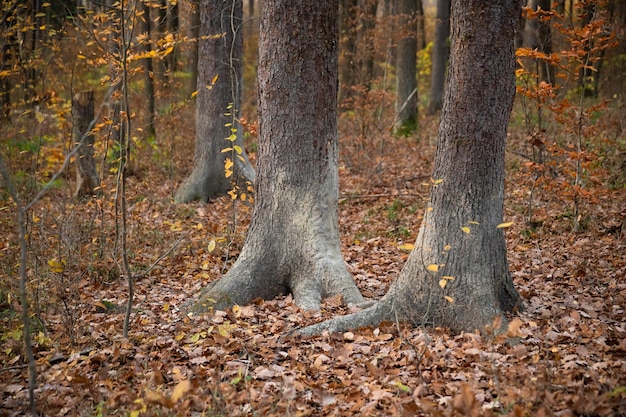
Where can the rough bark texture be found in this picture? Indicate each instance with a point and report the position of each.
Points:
(459, 241)
(406, 64)
(441, 51)
(293, 241)
(82, 115)
(221, 57)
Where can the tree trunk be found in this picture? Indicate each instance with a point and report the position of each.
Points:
(540, 38)
(147, 68)
(406, 67)
(82, 115)
(293, 241)
(218, 101)
(457, 276)
(347, 48)
(421, 29)
(441, 51)
(194, 34)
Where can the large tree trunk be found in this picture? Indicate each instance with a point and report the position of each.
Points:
(293, 241)
(441, 51)
(457, 276)
(406, 67)
(218, 101)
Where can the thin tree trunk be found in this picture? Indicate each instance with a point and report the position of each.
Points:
(293, 241)
(441, 51)
(457, 276)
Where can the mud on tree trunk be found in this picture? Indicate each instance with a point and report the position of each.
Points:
(293, 242)
(82, 114)
(457, 276)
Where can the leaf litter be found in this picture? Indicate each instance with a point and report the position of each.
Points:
(564, 355)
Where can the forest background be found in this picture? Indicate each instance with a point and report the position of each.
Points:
(67, 251)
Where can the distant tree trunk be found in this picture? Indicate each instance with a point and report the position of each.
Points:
(540, 38)
(365, 42)
(82, 115)
(406, 67)
(219, 57)
(194, 34)
(347, 48)
(148, 71)
(421, 29)
(441, 51)
(293, 241)
(457, 276)
(172, 25)
(589, 77)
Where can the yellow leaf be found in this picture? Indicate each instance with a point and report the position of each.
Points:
(447, 247)
(195, 93)
(211, 246)
(238, 149)
(448, 277)
(227, 150)
(433, 267)
(156, 398)
(195, 338)
(473, 222)
(449, 299)
(214, 79)
(465, 229)
(232, 138)
(437, 181)
(406, 247)
(236, 310)
(56, 265)
(180, 390)
(166, 307)
(167, 51)
(39, 116)
(504, 225)
(228, 163)
(223, 331)
(443, 283)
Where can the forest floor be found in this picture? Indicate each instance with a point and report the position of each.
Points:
(565, 356)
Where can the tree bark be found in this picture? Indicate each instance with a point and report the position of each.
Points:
(441, 51)
(147, 68)
(347, 48)
(293, 242)
(218, 101)
(457, 276)
(406, 67)
(540, 38)
(82, 115)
